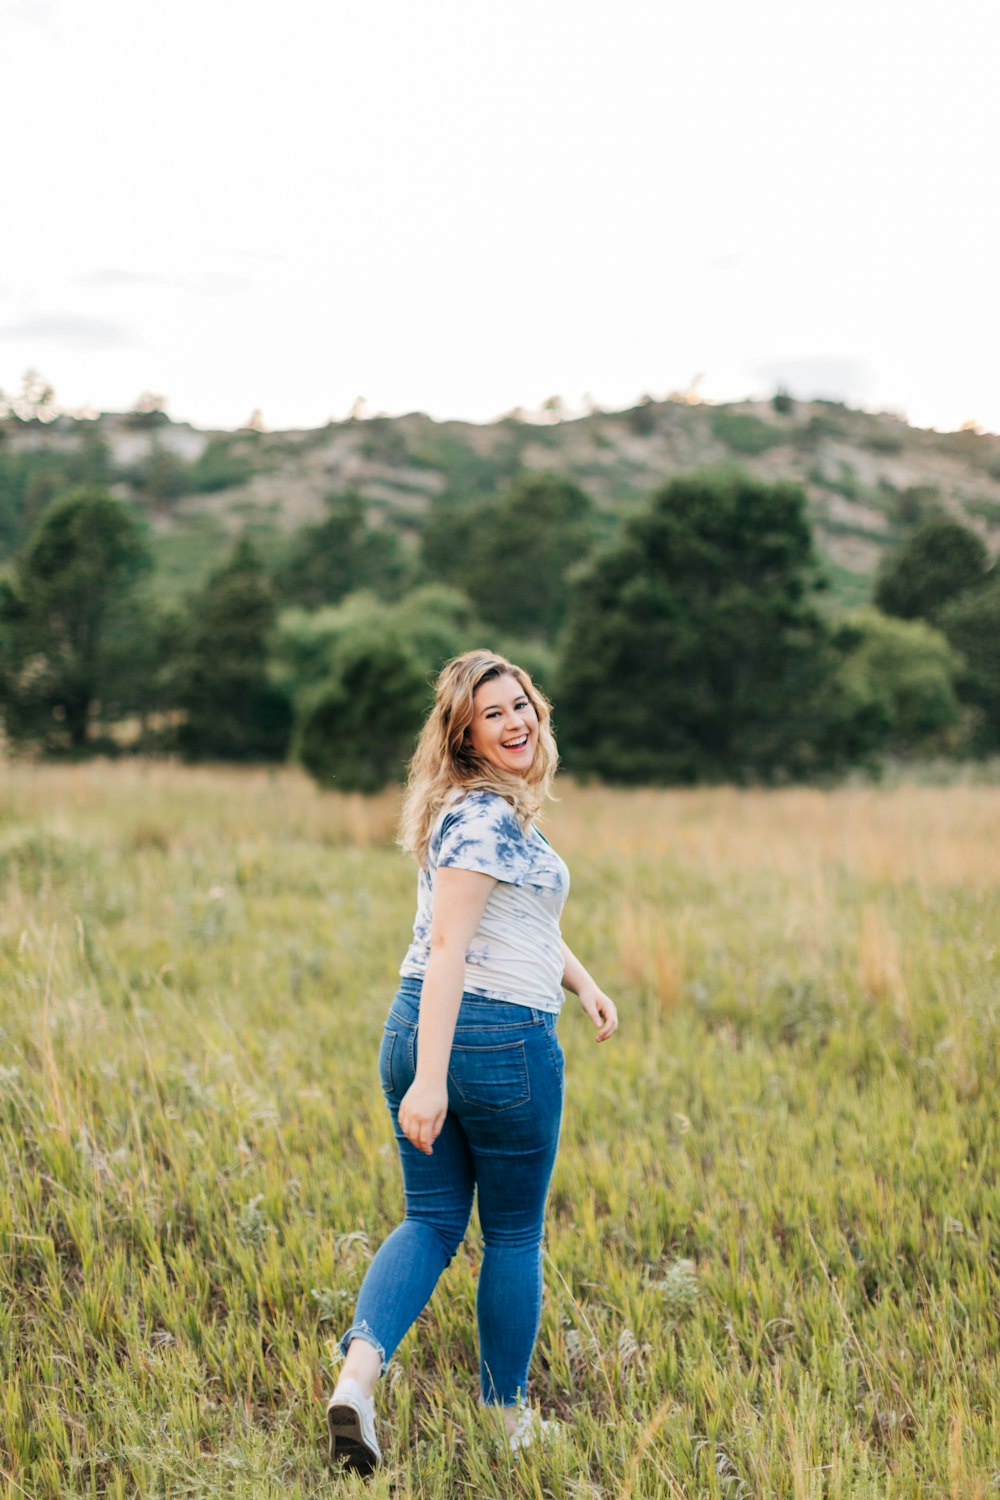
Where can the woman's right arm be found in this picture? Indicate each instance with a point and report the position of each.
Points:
(460, 898)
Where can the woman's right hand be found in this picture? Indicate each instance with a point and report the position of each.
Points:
(422, 1113)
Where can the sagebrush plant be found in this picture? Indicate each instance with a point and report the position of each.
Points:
(772, 1240)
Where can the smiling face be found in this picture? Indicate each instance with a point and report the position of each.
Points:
(504, 728)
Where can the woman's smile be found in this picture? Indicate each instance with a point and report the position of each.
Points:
(504, 728)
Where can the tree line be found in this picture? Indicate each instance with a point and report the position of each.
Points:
(692, 644)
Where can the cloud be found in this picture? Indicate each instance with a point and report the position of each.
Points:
(112, 276)
(68, 328)
(831, 377)
(37, 13)
(199, 283)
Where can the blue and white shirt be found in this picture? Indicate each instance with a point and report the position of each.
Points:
(516, 953)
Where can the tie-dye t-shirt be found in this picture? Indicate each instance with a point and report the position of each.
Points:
(516, 953)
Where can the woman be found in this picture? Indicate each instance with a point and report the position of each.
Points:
(470, 1063)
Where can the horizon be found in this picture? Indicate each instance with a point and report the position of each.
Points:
(535, 417)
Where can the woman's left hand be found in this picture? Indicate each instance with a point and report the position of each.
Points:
(602, 1011)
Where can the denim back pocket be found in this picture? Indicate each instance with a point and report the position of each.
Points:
(490, 1078)
(385, 1054)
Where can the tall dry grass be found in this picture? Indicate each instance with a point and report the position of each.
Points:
(772, 1243)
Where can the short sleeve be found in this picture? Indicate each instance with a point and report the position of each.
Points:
(483, 834)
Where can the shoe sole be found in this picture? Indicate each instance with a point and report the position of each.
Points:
(348, 1444)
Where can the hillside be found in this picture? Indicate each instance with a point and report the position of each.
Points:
(868, 477)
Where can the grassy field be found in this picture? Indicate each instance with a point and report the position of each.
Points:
(773, 1236)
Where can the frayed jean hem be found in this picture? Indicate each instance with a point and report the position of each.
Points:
(363, 1330)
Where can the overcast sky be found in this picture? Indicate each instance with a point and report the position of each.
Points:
(462, 207)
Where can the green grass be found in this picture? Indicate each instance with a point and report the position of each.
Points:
(772, 1238)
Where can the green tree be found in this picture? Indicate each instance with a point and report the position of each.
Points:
(916, 504)
(232, 710)
(972, 624)
(356, 729)
(340, 554)
(436, 622)
(360, 675)
(940, 560)
(30, 479)
(70, 588)
(162, 475)
(907, 670)
(693, 649)
(515, 556)
(91, 463)
(219, 467)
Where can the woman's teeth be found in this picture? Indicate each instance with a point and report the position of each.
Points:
(515, 744)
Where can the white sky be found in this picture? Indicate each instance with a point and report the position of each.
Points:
(460, 207)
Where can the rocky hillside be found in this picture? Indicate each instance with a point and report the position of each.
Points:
(868, 477)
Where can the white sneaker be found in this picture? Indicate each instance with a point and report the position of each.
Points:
(350, 1416)
(531, 1429)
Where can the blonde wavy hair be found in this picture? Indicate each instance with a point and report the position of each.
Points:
(444, 759)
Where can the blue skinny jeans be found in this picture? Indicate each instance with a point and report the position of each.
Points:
(505, 1094)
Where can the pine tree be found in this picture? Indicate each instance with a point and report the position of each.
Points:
(59, 613)
(231, 710)
(693, 650)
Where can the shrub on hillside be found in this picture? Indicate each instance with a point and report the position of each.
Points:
(742, 432)
(162, 475)
(937, 563)
(915, 504)
(218, 467)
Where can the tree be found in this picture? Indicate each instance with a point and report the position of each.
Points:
(163, 475)
(514, 556)
(150, 410)
(693, 650)
(908, 670)
(940, 560)
(232, 711)
(972, 624)
(57, 617)
(341, 553)
(435, 621)
(91, 463)
(356, 729)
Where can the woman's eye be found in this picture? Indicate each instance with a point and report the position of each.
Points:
(522, 703)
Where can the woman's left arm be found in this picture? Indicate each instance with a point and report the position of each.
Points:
(601, 1010)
